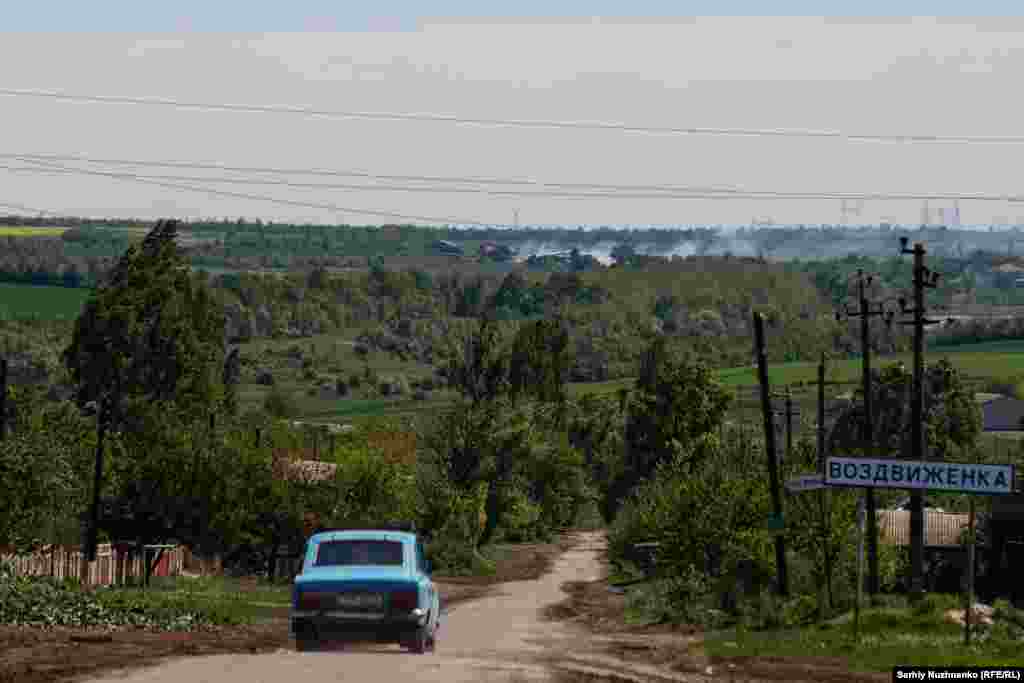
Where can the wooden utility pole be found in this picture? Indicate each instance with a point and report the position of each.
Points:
(865, 313)
(923, 278)
(789, 425)
(823, 493)
(788, 412)
(3, 399)
(970, 574)
(103, 412)
(769, 435)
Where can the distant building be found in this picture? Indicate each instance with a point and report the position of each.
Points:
(1002, 415)
(446, 247)
(496, 251)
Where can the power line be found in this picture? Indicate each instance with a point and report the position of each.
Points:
(370, 188)
(28, 209)
(688, 190)
(276, 200)
(675, 193)
(353, 174)
(519, 123)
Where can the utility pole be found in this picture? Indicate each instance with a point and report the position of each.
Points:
(788, 412)
(3, 399)
(769, 435)
(92, 539)
(865, 314)
(826, 591)
(923, 278)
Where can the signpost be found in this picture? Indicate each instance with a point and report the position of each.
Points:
(861, 518)
(809, 482)
(987, 480)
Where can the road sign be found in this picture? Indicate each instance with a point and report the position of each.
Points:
(776, 524)
(909, 474)
(808, 482)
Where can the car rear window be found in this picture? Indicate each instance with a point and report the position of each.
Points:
(359, 552)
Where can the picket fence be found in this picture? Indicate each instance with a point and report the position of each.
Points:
(111, 567)
(941, 529)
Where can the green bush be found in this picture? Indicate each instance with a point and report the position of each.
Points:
(519, 522)
(280, 403)
(47, 602)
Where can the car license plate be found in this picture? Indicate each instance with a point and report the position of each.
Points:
(364, 600)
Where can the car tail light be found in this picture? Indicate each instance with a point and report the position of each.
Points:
(405, 600)
(314, 600)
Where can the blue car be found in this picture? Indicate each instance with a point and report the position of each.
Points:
(365, 585)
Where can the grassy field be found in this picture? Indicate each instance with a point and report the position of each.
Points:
(1001, 346)
(22, 231)
(971, 361)
(244, 602)
(979, 363)
(51, 303)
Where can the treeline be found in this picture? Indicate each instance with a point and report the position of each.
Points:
(156, 390)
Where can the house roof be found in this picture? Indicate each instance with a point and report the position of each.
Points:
(1002, 415)
(290, 466)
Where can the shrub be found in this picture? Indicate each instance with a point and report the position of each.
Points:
(280, 403)
(46, 602)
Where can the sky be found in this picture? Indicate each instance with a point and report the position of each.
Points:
(891, 73)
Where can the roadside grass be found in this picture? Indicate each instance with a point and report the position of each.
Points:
(889, 637)
(18, 300)
(241, 601)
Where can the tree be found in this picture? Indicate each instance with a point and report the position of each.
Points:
(477, 364)
(539, 361)
(677, 400)
(148, 351)
(952, 416)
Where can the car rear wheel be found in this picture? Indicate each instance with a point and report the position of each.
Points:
(419, 640)
(306, 644)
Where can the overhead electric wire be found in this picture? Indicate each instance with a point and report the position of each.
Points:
(677, 193)
(28, 209)
(368, 188)
(353, 174)
(276, 200)
(520, 123)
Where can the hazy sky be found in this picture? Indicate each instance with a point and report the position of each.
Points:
(941, 76)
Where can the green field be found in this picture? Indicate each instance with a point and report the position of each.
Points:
(22, 231)
(969, 359)
(49, 303)
(1001, 346)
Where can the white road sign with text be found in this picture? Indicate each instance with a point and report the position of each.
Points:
(909, 474)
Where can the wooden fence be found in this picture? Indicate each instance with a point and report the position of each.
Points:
(113, 566)
(941, 529)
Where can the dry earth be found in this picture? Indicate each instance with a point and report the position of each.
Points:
(557, 622)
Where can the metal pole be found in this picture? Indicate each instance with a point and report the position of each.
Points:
(769, 432)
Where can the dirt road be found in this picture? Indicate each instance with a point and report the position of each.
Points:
(502, 637)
